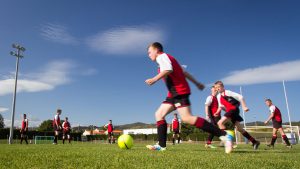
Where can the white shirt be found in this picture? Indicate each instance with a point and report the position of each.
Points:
(272, 109)
(208, 100)
(164, 62)
(229, 93)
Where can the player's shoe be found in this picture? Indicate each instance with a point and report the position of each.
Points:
(270, 145)
(210, 146)
(256, 145)
(290, 146)
(228, 139)
(156, 147)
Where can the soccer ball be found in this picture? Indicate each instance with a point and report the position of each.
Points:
(125, 141)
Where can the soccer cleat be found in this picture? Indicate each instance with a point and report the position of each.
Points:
(228, 139)
(270, 145)
(290, 146)
(156, 147)
(210, 146)
(256, 145)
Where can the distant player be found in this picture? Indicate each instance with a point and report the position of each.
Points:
(66, 130)
(277, 124)
(24, 129)
(176, 129)
(57, 125)
(213, 113)
(110, 129)
(230, 102)
(178, 97)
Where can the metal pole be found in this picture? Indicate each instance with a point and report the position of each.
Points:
(243, 110)
(14, 100)
(287, 105)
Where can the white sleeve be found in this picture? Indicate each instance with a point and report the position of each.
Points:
(63, 124)
(56, 117)
(208, 101)
(272, 109)
(164, 62)
(236, 96)
(219, 100)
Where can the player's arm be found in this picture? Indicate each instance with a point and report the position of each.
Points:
(26, 127)
(218, 111)
(159, 76)
(240, 98)
(207, 104)
(270, 117)
(199, 85)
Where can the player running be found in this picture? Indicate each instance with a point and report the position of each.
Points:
(277, 124)
(230, 102)
(178, 98)
(56, 125)
(213, 113)
(110, 129)
(176, 129)
(66, 130)
(24, 129)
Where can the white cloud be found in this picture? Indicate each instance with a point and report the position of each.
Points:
(33, 122)
(3, 109)
(125, 40)
(288, 71)
(52, 75)
(57, 33)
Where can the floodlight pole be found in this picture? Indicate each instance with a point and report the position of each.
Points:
(243, 111)
(287, 105)
(18, 55)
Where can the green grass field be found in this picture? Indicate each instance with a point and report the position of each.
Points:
(89, 155)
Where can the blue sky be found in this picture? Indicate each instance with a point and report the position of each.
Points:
(89, 58)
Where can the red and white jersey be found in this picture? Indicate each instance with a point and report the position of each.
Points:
(212, 103)
(175, 81)
(57, 120)
(110, 127)
(175, 124)
(229, 100)
(66, 125)
(24, 124)
(277, 113)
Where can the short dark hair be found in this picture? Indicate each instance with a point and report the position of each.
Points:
(219, 82)
(158, 46)
(269, 100)
(58, 110)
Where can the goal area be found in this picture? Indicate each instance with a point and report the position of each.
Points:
(264, 134)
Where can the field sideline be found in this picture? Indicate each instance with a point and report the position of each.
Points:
(89, 155)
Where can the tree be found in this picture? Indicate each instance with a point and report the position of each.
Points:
(1, 122)
(46, 126)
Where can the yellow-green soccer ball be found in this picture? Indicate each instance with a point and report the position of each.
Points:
(125, 141)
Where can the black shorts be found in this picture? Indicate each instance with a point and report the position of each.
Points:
(214, 120)
(66, 132)
(178, 101)
(176, 131)
(234, 115)
(23, 132)
(56, 128)
(110, 134)
(277, 124)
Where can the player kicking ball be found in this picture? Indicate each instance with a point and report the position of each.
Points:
(277, 124)
(230, 102)
(178, 98)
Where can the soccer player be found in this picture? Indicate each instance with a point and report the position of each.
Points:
(57, 125)
(277, 124)
(24, 129)
(110, 129)
(178, 98)
(213, 113)
(176, 129)
(230, 102)
(66, 130)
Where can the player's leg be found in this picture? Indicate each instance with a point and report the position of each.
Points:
(55, 135)
(222, 121)
(173, 138)
(239, 127)
(69, 137)
(25, 137)
(178, 138)
(274, 138)
(64, 137)
(284, 137)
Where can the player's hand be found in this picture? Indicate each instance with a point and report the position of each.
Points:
(266, 122)
(200, 86)
(150, 81)
(246, 109)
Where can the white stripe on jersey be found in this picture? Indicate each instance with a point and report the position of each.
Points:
(164, 62)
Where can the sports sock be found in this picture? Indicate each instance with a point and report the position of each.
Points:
(210, 138)
(162, 132)
(248, 136)
(63, 141)
(26, 140)
(274, 137)
(21, 140)
(286, 140)
(178, 140)
(173, 140)
(208, 127)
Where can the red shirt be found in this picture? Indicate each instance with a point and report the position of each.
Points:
(214, 105)
(66, 126)
(57, 120)
(175, 81)
(175, 124)
(229, 101)
(24, 126)
(277, 113)
(110, 128)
